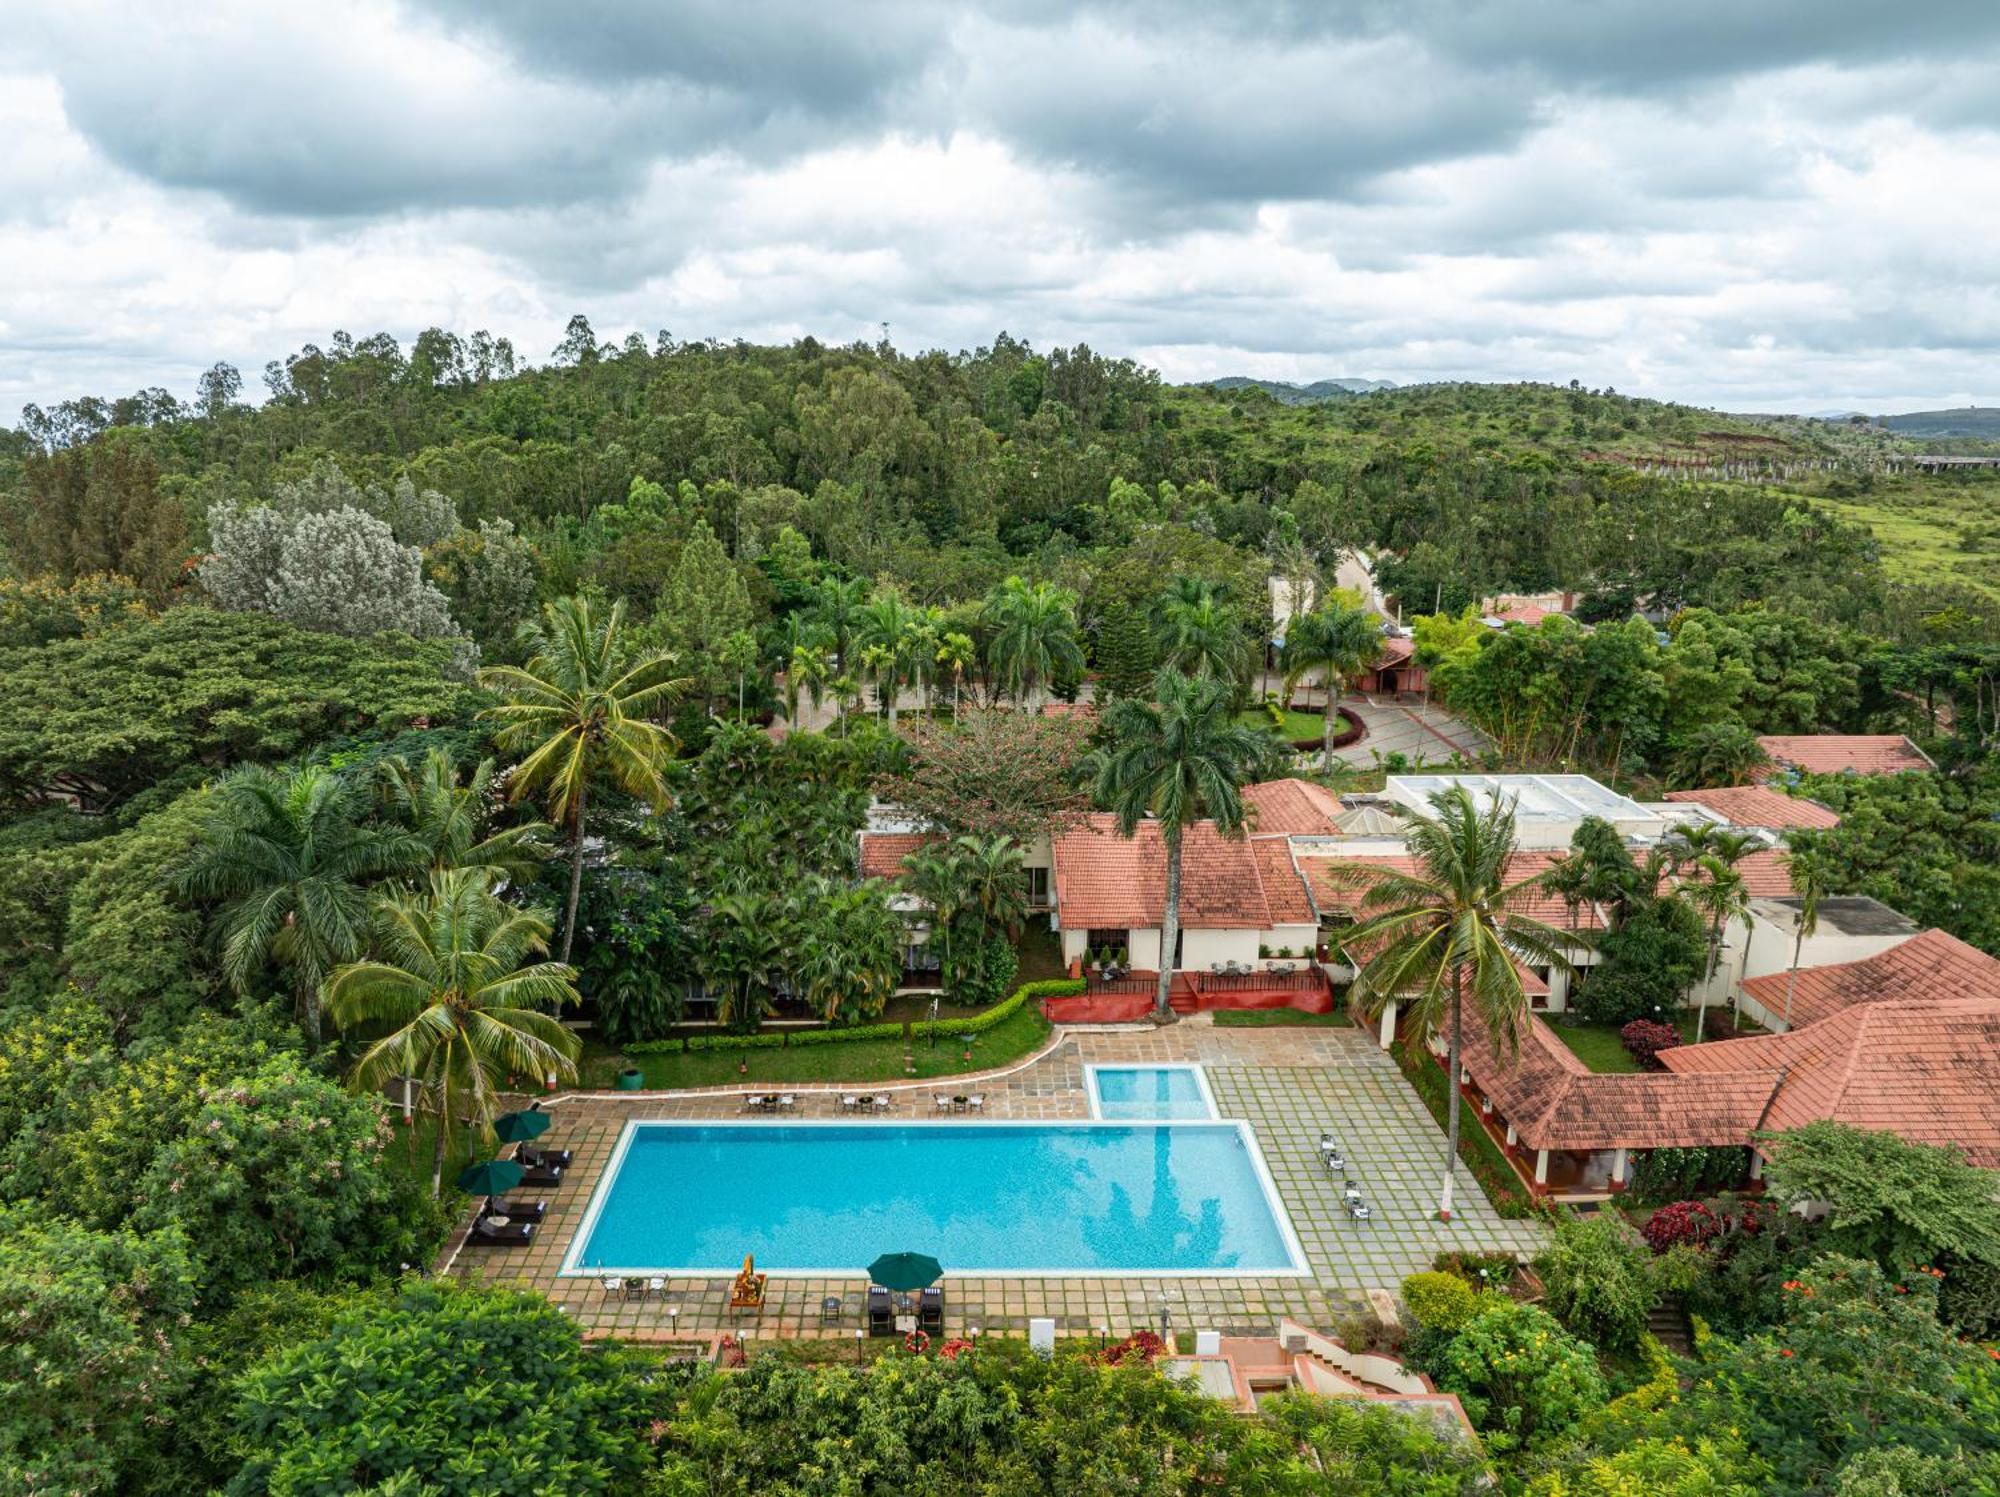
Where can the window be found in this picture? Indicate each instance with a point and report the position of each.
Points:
(1038, 887)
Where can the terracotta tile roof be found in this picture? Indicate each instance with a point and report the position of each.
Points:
(1759, 806)
(1068, 709)
(1555, 1101)
(1284, 888)
(1107, 881)
(1339, 884)
(1292, 806)
(1767, 874)
(882, 853)
(1837, 753)
(1395, 650)
(1521, 612)
(1925, 1068)
(1933, 965)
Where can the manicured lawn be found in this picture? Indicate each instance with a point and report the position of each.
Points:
(1279, 1018)
(1298, 725)
(1600, 1046)
(861, 1062)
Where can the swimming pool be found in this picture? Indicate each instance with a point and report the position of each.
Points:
(985, 1198)
(1168, 1091)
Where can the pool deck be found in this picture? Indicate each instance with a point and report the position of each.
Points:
(1289, 1083)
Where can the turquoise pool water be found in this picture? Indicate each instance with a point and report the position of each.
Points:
(1149, 1092)
(983, 1198)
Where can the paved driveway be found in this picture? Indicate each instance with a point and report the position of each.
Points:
(1422, 734)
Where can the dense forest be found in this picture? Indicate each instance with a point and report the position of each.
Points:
(442, 660)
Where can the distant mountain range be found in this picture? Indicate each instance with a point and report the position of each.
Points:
(1288, 393)
(1966, 421)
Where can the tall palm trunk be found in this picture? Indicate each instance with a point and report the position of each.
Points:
(575, 878)
(1708, 978)
(443, 1128)
(1792, 979)
(1330, 716)
(1743, 973)
(1170, 925)
(1451, 1091)
(307, 1010)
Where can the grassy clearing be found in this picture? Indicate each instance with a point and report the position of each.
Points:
(1278, 1018)
(1597, 1046)
(1930, 528)
(1298, 726)
(862, 1062)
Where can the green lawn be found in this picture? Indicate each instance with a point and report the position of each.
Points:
(861, 1062)
(1278, 1018)
(1600, 1046)
(1298, 725)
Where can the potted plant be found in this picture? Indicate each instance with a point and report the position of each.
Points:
(1263, 951)
(1284, 951)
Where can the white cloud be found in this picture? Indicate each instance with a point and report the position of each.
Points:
(1400, 192)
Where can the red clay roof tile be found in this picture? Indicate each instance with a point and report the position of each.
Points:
(1759, 806)
(1933, 965)
(1297, 806)
(1105, 881)
(1837, 753)
(882, 853)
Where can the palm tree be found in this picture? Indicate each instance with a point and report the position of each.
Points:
(935, 877)
(1198, 633)
(956, 653)
(807, 672)
(579, 708)
(287, 853)
(447, 816)
(1812, 881)
(1338, 639)
(886, 627)
(995, 886)
(463, 1006)
(1452, 930)
(1722, 895)
(1177, 763)
(836, 607)
(744, 954)
(1034, 636)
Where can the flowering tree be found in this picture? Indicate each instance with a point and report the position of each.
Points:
(994, 774)
(1523, 1379)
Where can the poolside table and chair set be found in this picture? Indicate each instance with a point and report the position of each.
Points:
(1336, 1164)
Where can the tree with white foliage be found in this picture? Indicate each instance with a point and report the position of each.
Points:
(340, 572)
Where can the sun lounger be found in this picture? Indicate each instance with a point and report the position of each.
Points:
(542, 1174)
(881, 1312)
(930, 1312)
(532, 1158)
(495, 1231)
(520, 1211)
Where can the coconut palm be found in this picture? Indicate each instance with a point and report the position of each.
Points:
(1452, 931)
(885, 630)
(1720, 894)
(995, 886)
(447, 816)
(287, 854)
(1197, 632)
(1811, 882)
(1176, 763)
(1340, 641)
(1034, 636)
(461, 1006)
(580, 708)
(956, 653)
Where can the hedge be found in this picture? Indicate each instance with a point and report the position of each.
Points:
(1052, 987)
(1057, 987)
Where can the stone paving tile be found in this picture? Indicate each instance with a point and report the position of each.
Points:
(1289, 1084)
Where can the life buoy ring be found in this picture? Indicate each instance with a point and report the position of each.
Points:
(917, 1343)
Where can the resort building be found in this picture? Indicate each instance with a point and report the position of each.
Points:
(1758, 808)
(1841, 753)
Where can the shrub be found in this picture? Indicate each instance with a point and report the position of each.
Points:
(1523, 1379)
(1679, 1174)
(1597, 1283)
(1645, 1040)
(1683, 1224)
(1439, 1301)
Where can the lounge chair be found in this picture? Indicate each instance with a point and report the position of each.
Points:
(656, 1286)
(930, 1312)
(1359, 1210)
(881, 1312)
(943, 1103)
(541, 1174)
(490, 1232)
(531, 1158)
(519, 1211)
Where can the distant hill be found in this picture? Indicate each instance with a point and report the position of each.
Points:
(1966, 421)
(1287, 393)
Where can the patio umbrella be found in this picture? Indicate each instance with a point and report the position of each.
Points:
(494, 1177)
(905, 1271)
(519, 1127)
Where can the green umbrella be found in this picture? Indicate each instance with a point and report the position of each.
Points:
(519, 1127)
(905, 1271)
(494, 1177)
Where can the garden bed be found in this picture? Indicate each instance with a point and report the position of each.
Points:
(1279, 1018)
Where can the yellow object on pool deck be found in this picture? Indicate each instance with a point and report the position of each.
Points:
(748, 1290)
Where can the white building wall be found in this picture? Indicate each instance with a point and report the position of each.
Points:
(1146, 949)
(1075, 945)
(1300, 938)
(1202, 949)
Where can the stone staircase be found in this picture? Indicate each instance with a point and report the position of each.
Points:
(1670, 1326)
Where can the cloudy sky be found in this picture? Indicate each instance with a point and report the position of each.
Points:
(1757, 204)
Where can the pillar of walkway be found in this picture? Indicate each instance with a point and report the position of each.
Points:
(1618, 1159)
(1541, 1166)
(1511, 1135)
(1558, 990)
(1388, 1024)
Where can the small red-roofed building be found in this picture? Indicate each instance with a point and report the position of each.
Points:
(1841, 753)
(1759, 808)
(1291, 808)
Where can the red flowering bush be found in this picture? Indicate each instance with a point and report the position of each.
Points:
(1645, 1040)
(1684, 1222)
(1142, 1346)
